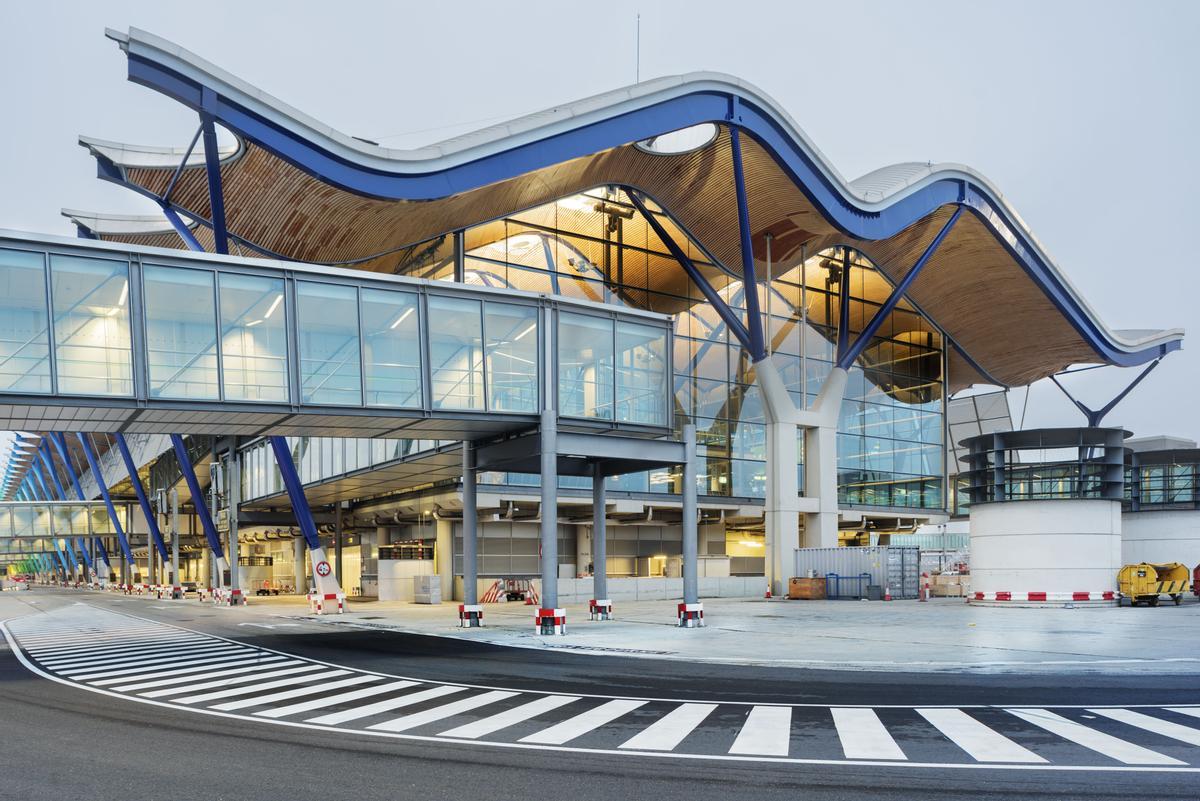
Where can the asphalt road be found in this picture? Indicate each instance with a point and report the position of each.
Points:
(66, 739)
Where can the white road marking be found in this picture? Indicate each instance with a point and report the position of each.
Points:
(1194, 711)
(125, 673)
(583, 723)
(406, 722)
(236, 680)
(1157, 725)
(666, 733)
(287, 695)
(224, 672)
(116, 660)
(334, 700)
(1097, 741)
(981, 742)
(162, 661)
(510, 717)
(379, 707)
(766, 732)
(47, 653)
(216, 695)
(863, 734)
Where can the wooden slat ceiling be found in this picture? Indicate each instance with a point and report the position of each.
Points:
(972, 288)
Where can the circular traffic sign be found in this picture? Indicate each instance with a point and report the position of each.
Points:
(323, 569)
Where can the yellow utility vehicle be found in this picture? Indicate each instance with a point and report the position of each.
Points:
(1145, 582)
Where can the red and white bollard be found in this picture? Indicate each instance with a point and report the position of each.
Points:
(924, 587)
(600, 609)
(887, 592)
(470, 616)
(550, 621)
(320, 603)
(691, 616)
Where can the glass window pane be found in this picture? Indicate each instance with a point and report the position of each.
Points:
(391, 347)
(181, 332)
(512, 341)
(641, 374)
(253, 338)
(24, 323)
(456, 353)
(585, 366)
(327, 318)
(91, 326)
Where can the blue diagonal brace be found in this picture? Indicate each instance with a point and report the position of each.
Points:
(850, 353)
(749, 279)
(212, 163)
(189, 476)
(295, 491)
(143, 501)
(94, 464)
(41, 482)
(711, 295)
(45, 458)
(181, 228)
(60, 445)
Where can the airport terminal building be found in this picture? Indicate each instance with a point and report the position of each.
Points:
(663, 297)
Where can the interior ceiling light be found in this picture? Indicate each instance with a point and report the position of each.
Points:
(683, 140)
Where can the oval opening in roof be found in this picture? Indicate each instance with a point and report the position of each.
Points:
(684, 140)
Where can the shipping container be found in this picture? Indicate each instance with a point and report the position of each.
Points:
(856, 568)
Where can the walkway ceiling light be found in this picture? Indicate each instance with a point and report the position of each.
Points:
(274, 305)
(401, 318)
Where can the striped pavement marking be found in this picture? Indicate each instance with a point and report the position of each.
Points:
(982, 743)
(156, 663)
(766, 732)
(1112, 747)
(583, 723)
(863, 734)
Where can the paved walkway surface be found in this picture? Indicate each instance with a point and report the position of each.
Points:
(940, 635)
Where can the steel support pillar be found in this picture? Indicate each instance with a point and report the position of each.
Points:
(601, 605)
(339, 542)
(233, 491)
(298, 568)
(470, 613)
(691, 611)
(550, 619)
(176, 584)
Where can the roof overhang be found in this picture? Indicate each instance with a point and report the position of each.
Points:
(297, 189)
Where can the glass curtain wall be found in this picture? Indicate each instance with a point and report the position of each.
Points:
(596, 246)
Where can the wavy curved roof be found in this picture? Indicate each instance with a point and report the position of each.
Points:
(298, 189)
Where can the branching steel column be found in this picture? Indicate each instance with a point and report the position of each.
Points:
(206, 521)
(94, 464)
(749, 279)
(848, 355)
(143, 501)
(60, 445)
(181, 228)
(45, 458)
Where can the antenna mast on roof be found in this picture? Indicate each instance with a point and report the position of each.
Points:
(637, 61)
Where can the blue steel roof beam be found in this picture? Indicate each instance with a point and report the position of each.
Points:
(143, 501)
(710, 294)
(212, 164)
(206, 521)
(749, 281)
(112, 512)
(636, 116)
(848, 356)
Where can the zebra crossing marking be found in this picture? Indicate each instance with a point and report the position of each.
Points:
(174, 668)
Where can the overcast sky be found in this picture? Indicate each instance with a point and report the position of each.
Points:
(1083, 113)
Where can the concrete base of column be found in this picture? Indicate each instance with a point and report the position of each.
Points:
(470, 616)
(550, 621)
(600, 609)
(691, 616)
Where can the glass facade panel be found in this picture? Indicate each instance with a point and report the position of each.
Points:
(641, 367)
(330, 366)
(391, 347)
(253, 338)
(585, 366)
(24, 323)
(181, 332)
(91, 326)
(512, 365)
(456, 353)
